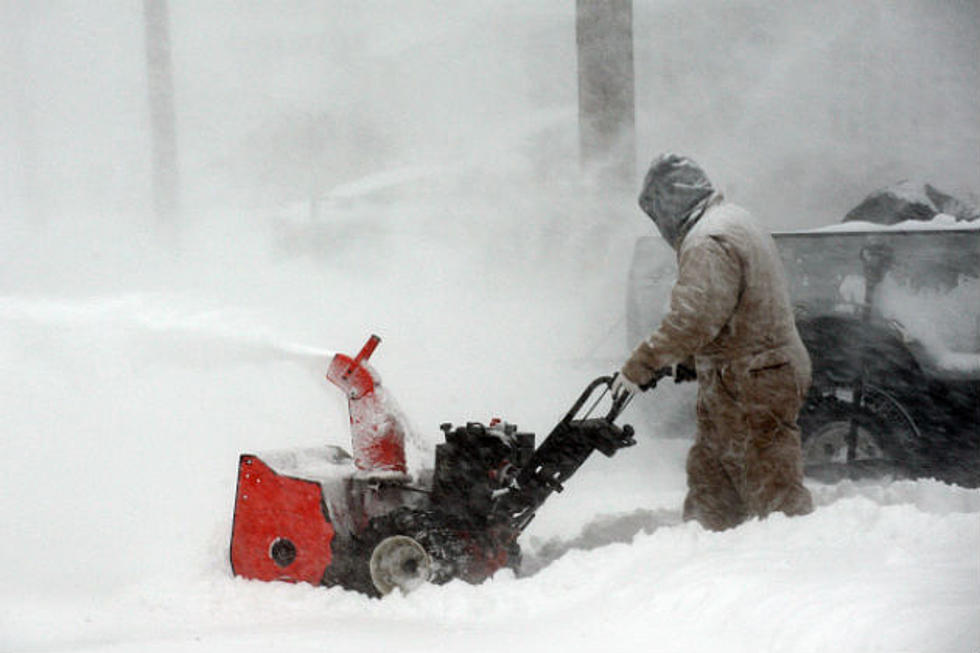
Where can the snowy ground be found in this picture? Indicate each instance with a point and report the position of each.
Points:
(131, 382)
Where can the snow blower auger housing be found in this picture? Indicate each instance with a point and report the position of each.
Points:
(362, 522)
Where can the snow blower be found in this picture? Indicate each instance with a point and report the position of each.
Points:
(363, 523)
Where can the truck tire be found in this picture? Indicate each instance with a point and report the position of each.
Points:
(885, 435)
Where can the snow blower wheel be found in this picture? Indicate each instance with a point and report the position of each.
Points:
(399, 561)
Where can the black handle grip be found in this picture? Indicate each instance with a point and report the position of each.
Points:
(659, 374)
(618, 404)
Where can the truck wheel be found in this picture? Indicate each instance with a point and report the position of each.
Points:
(885, 436)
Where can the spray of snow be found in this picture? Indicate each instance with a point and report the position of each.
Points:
(941, 325)
(944, 323)
(193, 337)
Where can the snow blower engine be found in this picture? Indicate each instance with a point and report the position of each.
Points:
(362, 522)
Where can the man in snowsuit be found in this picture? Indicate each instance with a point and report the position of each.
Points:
(730, 311)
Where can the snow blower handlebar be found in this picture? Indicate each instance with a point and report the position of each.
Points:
(617, 407)
(565, 449)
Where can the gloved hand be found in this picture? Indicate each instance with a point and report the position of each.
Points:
(623, 387)
(685, 372)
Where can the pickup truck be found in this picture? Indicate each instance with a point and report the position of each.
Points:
(891, 318)
(890, 315)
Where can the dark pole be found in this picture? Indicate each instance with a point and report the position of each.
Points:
(604, 36)
(163, 126)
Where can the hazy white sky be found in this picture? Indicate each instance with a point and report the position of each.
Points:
(798, 109)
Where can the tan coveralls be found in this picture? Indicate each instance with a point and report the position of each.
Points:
(730, 310)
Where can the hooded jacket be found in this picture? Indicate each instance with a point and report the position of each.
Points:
(730, 307)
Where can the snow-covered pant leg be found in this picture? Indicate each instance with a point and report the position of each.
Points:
(746, 460)
(711, 496)
(773, 455)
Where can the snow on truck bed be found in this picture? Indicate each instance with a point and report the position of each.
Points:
(941, 222)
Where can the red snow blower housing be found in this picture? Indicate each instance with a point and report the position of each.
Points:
(322, 516)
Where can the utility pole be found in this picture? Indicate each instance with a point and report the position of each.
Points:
(160, 80)
(607, 117)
